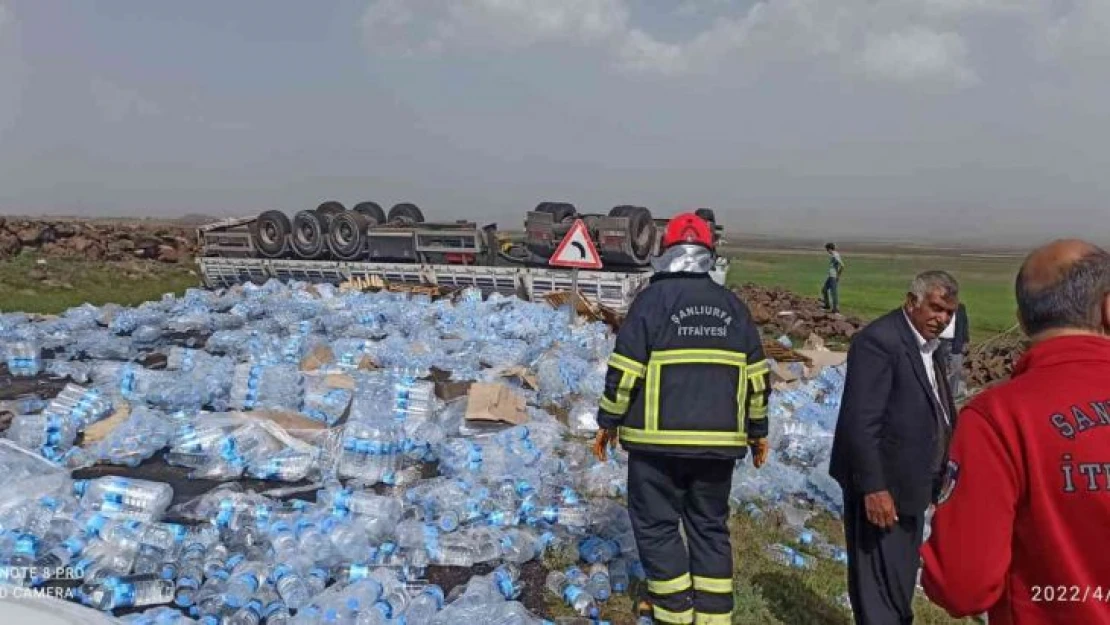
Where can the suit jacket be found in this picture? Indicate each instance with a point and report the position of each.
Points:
(890, 424)
(963, 332)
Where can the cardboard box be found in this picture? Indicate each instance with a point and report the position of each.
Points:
(495, 403)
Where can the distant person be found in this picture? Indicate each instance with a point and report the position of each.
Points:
(954, 343)
(1018, 531)
(890, 446)
(831, 290)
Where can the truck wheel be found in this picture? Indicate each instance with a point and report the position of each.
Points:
(406, 213)
(347, 234)
(641, 230)
(372, 211)
(309, 235)
(270, 231)
(560, 211)
(620, 211)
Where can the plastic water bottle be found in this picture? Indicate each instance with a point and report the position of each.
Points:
(129, 592)
(24, 359)
(425, 605)
(49, 433)
(58, 557)
(786, 556)
(361, 503)
(594, 549)
(84, 406)
(290, 585)
(599, 585)
(190, 573)
(245, 581)
(286, 466)
(249, 614)
(618, 575)
(578, 599)
(121, 496)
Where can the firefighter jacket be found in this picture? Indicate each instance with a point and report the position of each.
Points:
(687, 376)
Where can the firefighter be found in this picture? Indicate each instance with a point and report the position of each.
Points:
(686, 395)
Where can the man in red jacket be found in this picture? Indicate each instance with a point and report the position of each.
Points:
(1020, 526)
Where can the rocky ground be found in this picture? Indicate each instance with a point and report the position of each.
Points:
(992, 363)
(780, 312)
(96, 240)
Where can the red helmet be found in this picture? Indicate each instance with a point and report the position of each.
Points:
(688, 228)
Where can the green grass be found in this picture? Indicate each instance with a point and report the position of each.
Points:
(873, 284)
(59, 284)
(767, 593)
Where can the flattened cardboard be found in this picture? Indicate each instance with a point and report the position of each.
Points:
(101, 429)
(821, 359)
(494, 402)
(339, 380)
(289, 421)
(526, 377)
(320, 356)
(448, 390)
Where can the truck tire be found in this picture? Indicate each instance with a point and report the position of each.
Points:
(620, 211)
(406, 212)
(641, 231)
(331, 208)
(347, 235)
(560, 211)
(328, 211)
(309, 237)
(372, 211)
(270, 232)
(708, 215)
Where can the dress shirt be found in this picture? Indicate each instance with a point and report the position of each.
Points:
(928, 348)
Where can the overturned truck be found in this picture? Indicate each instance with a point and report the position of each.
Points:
(334, 244)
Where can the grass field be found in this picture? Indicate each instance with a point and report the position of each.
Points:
(59, 284)
(875, 283)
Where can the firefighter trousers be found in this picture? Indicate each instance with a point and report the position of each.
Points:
(687, 582)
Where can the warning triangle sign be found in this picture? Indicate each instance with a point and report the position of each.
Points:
(576, 250)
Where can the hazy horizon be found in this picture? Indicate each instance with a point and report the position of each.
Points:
(930, 120)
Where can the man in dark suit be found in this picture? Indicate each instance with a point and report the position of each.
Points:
(891, 447)
(953, 347)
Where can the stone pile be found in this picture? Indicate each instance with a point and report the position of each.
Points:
(96, 241)
(781, 312)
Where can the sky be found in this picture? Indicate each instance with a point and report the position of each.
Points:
(913, 119)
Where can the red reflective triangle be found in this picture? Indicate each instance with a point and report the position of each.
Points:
(576, 249)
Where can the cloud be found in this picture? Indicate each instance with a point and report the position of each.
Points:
(1081, 34)
(919, 54)
(119, 104)
(905, 42)
(432, 26)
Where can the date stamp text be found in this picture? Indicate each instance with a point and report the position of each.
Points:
(1070, 594)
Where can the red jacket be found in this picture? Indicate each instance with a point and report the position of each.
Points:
(1023, 531)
